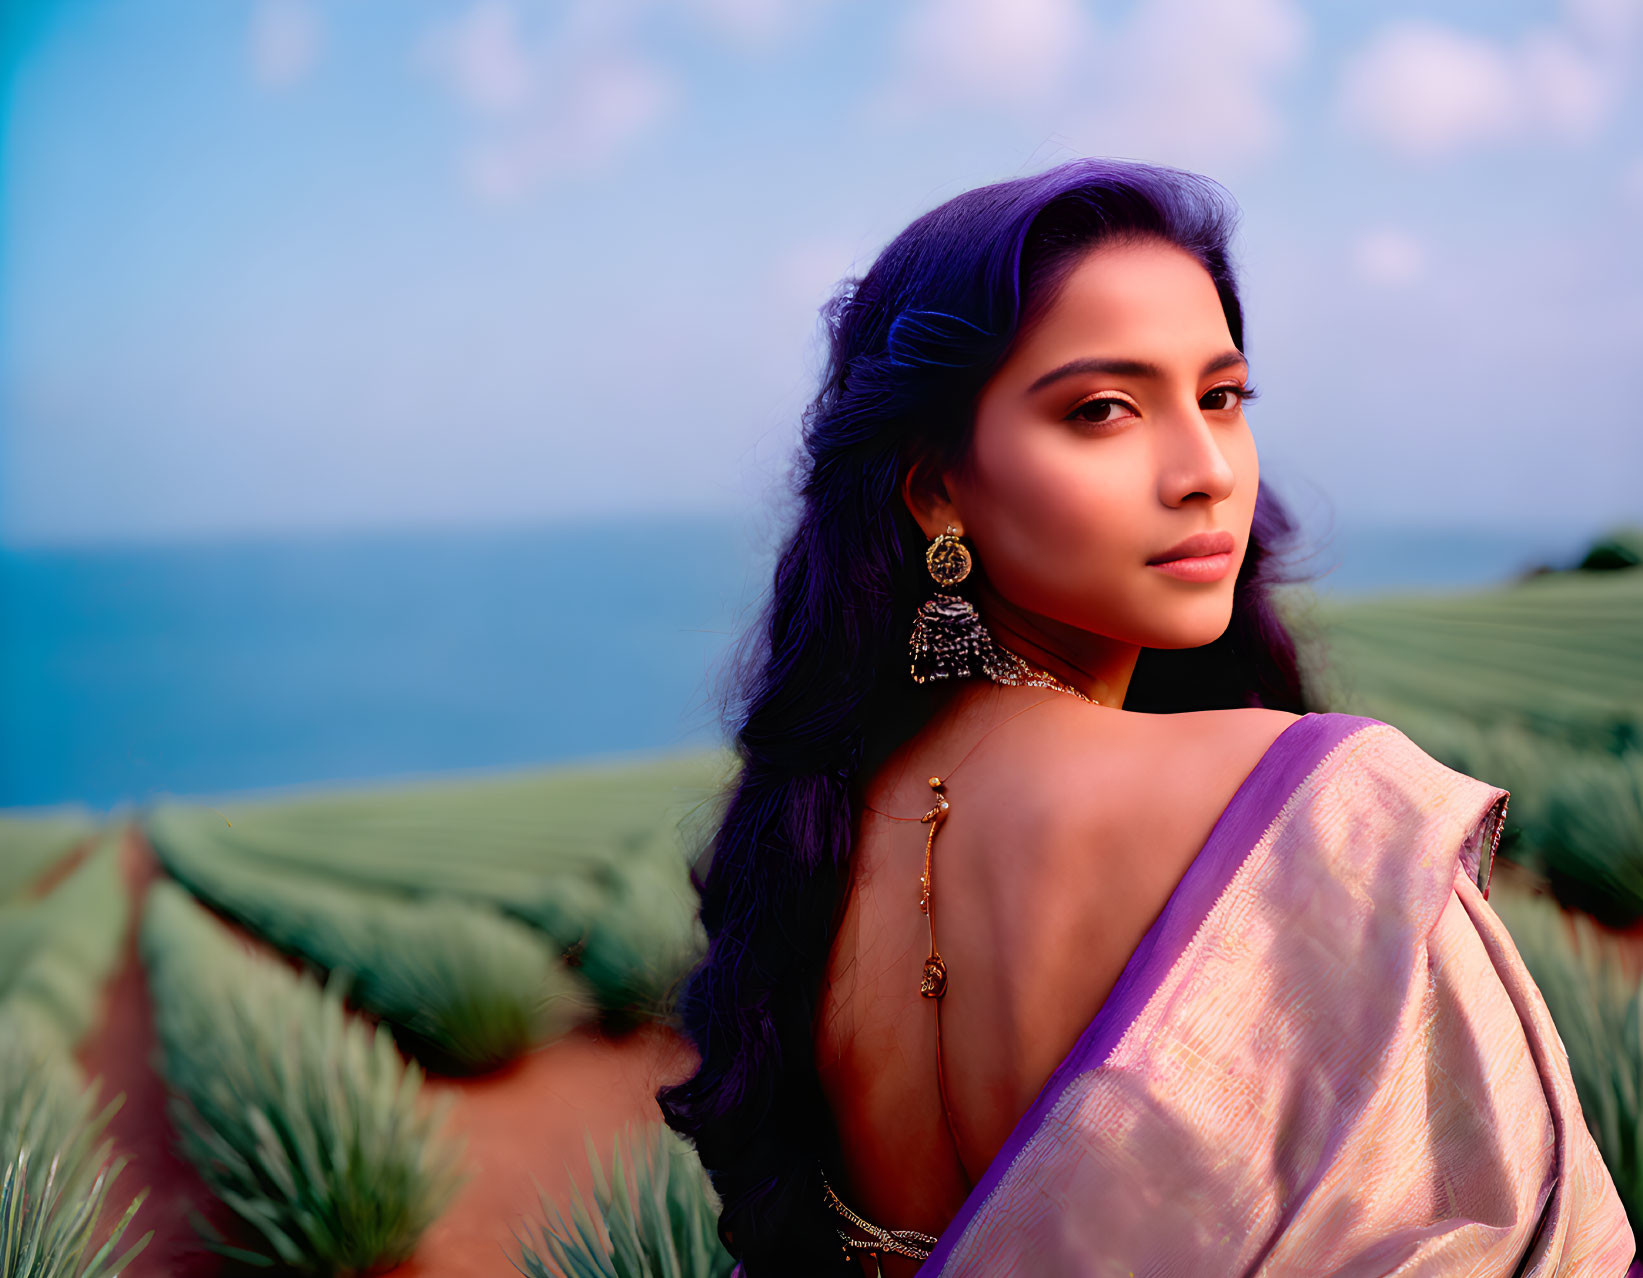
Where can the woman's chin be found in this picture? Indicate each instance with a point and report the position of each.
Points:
(1190, 629)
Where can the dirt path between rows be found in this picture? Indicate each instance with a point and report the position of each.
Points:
(526, 1122)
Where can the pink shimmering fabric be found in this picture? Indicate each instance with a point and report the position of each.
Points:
(1325, 1058)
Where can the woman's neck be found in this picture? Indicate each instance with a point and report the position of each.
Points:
(1096, 665)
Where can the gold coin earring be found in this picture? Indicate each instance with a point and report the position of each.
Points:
(949, 640)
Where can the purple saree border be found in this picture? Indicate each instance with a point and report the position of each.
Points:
(1289, 760)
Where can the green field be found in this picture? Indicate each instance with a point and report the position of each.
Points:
(592, 860)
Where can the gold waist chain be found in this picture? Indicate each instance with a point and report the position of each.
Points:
(899, 1242)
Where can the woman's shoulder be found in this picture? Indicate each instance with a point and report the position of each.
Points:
(1136, 796)
(1083, 796)
(1064, 721)
(1070, 764)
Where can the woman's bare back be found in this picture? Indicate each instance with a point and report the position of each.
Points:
(1070, 827)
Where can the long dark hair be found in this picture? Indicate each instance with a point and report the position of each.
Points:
(826, 693)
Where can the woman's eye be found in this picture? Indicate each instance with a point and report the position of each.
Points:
(1227, 397)
(1098, 412)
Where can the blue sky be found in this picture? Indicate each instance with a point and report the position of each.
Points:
(280, 265)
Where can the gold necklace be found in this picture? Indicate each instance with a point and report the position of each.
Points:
(1013, 671)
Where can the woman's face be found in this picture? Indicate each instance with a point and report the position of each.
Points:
(1113, 431)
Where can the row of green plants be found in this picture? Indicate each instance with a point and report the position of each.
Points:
(465, 987)
(303, 1119)
(445, 912)
(57, 949)
(33, 844)
(1556, 652)
(595, 860)
(446, 919)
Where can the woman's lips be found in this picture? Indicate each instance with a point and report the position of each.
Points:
(1198, 567)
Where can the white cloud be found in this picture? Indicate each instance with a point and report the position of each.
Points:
(482, 58)
(1388, 258)
(1008, 52)
(285, 41)
(1605, 23)
(594, 114)
(1194, 82)
(1574, 93)
(565, 101)
(1429, 91)
(1182, 81)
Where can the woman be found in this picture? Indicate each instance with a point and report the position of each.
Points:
(1049, 932)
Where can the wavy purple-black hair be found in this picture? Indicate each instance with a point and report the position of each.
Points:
(824, 694)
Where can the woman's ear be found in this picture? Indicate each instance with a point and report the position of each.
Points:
(926, 497)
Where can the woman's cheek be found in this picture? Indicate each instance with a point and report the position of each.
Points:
(1048, 508)
(1085, 508)
(1058, 556)
(1052, 473)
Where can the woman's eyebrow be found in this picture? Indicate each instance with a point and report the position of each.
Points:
(1127, 368)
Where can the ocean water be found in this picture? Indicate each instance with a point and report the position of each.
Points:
(132, 672)
(129, 673)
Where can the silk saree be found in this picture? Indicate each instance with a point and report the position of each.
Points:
(1324, 1057)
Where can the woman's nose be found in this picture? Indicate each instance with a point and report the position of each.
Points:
(1195, 459)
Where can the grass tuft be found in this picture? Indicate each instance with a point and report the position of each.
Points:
(55, 1173)
(656, 1214)
(305, 1121)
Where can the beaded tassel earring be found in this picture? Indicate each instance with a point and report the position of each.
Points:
(948, 640)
